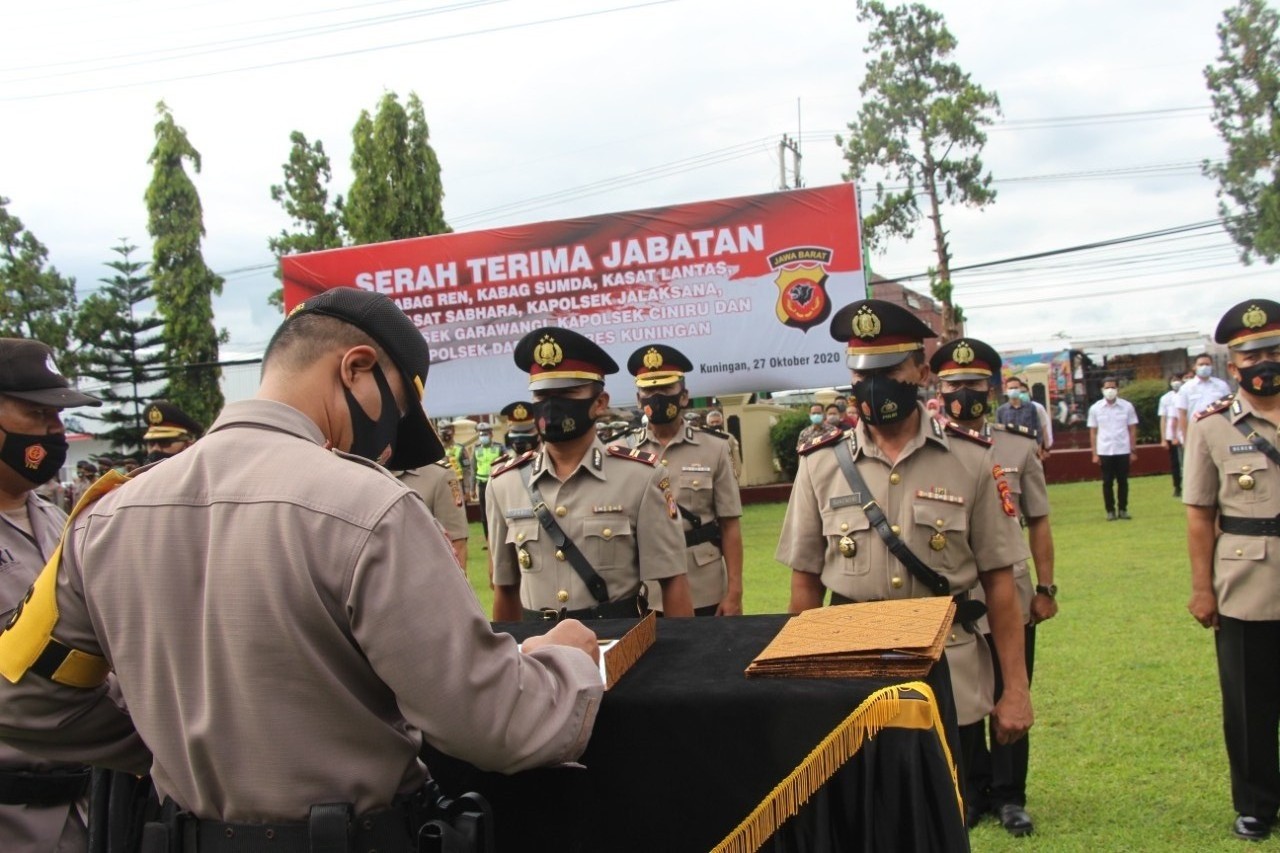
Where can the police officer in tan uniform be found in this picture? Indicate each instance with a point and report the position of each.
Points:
(522, 432)
(169, 430)
(699, 461)
(41, 801)
(941, 493)
(715, 423)
(965, 369)
(578, 551)
(440, 490)
(287, 623)
(1231, 486)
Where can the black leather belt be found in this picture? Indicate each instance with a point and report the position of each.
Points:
(705, 533)
(1250, 526)
(42, 788)
(968, 610)
(626, 608)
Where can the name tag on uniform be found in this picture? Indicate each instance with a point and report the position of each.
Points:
(697, 469)
(1009, 470)
(840, 501)
(941, 495)
(607, 508)
(1243, 448)
(520, 512)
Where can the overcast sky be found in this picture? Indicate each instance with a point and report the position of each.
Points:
(559, 108)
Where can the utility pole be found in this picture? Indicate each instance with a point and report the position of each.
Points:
(792, 145)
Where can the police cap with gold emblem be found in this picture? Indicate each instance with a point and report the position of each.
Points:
(1252, 325)
(878, 333)
(560, 358)
(658, 364)
(378, 317)
(165, 422)
(519, 417)
(965, 358)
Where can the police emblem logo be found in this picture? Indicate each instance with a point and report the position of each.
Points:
(865, 323)
(1254, 318)
(520, 413)
(33, 456)
(672, 410)
(154, 415)
(569, 425)
(956, 408)
(652, 359)
(889, 408)
(963, 353)
(802, 278)
(548, 353)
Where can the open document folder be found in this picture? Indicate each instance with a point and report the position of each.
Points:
(901, 638)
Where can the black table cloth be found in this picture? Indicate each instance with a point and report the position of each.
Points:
(688, 754)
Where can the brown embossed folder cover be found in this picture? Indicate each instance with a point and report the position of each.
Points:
(896, 638)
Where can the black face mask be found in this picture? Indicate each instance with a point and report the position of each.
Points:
(965, 404)
(1262, 379)
(521, 445)
(662, 408)
(563, 418)
(37, 458)
(882, 400)
(372, 439)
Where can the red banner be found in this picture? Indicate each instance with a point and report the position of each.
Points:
(737, 284)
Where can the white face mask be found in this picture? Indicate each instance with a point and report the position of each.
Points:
(1175, 385)
(1110, 393)
(1204, 371)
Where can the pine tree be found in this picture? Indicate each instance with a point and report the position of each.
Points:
(1245, 85)
(921, 123)
(304, 195)
(396, 191)
(36, 301)
(123, 348)
(183, 284)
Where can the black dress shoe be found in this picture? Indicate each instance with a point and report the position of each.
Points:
(1251, 828)
(1015, 820)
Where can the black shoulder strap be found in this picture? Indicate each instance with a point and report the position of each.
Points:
(936, 583)
(595, 584)
(1258, 441)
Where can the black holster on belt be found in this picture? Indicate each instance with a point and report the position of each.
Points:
(424, 822)
(705, 533)
(43, 788)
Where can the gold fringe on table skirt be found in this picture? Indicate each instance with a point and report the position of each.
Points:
(886, 708)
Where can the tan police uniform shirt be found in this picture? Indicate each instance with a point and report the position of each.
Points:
(700, 466)
(601, 507)
(23, 553)
(1018, 456)
(942, 495)
(1222, 468)
(288, 627)
(439, 488)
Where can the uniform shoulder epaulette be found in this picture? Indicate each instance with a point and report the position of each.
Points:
(523, 459)
(966, 433)
(444, 463)
(709, 431)
(1217, 406)
(818, 441)
(634, 454)
(1019, 429)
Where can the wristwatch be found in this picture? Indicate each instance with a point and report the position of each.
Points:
(1051, 590)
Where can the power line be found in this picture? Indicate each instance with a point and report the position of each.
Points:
(341, 54)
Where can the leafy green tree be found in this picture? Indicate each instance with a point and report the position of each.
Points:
(183, 284)
(1245, 86)
(921, 125)
(396, 191)
(304, 195)
(36, 301)
(123, 348)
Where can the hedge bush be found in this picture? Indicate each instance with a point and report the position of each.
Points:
(784, 435)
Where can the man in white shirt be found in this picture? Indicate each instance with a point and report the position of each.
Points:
(1171, 435)
(1195, 396)
(1113, 437)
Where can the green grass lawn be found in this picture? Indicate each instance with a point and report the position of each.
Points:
(1127, 749)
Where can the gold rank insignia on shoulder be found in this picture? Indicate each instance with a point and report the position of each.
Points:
(1227, 402)
(938, 493)
(635, 455)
